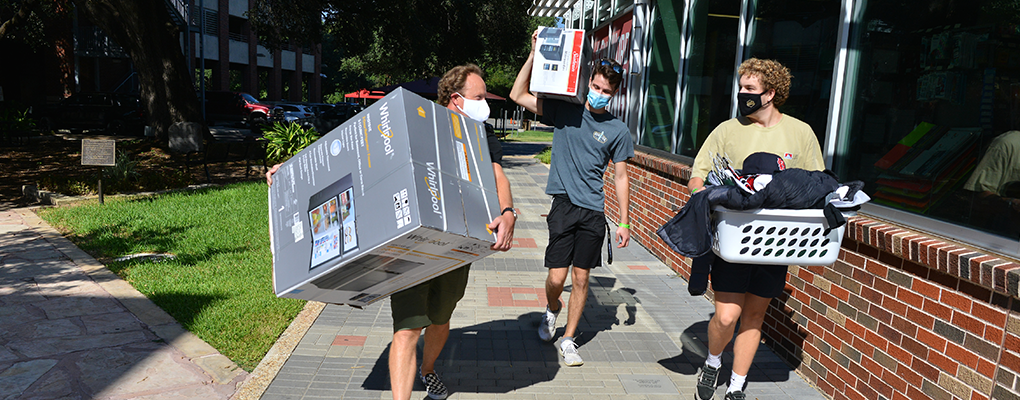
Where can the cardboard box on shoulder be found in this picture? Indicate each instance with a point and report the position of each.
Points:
(399, 194)
(561, 67)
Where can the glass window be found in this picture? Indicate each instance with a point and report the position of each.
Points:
(709, 75)
(804, 41)
(588, 21)
(660, 101)
(603, 10)
(932, 108)
(622, 5)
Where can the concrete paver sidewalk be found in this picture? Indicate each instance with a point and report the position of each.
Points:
(71, 329)
(642, 336)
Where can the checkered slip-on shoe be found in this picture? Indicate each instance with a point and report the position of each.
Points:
(433, 386)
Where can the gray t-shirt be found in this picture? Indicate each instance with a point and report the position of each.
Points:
(583, 144)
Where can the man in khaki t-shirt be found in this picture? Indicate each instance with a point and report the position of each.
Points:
(743, 291)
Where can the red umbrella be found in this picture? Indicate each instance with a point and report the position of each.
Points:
(366, 94)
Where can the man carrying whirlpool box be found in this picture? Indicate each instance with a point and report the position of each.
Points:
(430, 305)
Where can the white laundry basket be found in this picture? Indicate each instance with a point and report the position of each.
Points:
(772, 236)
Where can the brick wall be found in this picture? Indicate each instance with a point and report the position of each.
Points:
(900, 315)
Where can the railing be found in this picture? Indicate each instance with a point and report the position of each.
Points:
(93, 42)
(177, 9)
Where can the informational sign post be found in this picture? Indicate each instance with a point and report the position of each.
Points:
(99, 152)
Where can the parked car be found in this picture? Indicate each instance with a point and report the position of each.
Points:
(114, 113)
(294, 112)
(235, 107)
(337, 114)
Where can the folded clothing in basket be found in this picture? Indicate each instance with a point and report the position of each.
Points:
(690, 234)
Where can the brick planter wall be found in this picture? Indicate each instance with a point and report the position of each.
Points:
(900, 315)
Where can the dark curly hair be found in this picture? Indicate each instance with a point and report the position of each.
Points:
(605, 67)
(771, 74)
(453, 81)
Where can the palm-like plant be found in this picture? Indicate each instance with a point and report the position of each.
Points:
(287, 139)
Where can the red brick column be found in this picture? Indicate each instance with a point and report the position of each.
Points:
(295, 91)
(221, 73)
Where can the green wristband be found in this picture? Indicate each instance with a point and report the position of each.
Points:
(625, 226)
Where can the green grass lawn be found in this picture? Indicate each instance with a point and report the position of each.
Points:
(529, 136)
(219, 286)
(545, 155)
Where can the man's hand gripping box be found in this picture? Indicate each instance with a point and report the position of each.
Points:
(395, 196)
(561, 67)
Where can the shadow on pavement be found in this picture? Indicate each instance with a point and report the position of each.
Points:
(494, 357)
(601, 311)
(767, 366)
(523, 148)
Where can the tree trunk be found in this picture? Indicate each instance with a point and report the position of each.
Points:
(145, 31)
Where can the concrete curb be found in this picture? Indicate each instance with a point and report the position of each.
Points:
(264, 373)
(220, 368)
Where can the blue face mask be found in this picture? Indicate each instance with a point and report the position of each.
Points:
(598, 100)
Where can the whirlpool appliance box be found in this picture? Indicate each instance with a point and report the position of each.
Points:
(397, 195)
(561, 66)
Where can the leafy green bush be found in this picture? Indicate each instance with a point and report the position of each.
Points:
(287, 139)
(123, 172)
(14, 119)
(71, 186)
(335, 97)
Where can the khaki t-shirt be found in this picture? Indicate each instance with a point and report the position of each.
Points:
(999, 166)
(738, 138)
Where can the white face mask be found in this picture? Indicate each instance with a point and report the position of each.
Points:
(477, 110)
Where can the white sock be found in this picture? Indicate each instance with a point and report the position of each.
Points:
(565, 340)
(714, 360)
(736, 382)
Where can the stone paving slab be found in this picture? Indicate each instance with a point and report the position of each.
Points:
(641, 335)
(70, 328)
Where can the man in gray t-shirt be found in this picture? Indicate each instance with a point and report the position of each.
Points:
(585, 139)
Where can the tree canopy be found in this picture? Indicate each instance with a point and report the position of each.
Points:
(142, 28)
(392, 41)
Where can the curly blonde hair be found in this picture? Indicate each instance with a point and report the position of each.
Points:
(771, 74)
(453, 81)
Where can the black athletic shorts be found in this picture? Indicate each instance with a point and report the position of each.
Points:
(575, 235)
(765, 281)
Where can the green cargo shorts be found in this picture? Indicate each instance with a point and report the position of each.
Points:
(430, 302)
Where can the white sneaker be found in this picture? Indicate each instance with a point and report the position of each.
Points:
(547, 328)
(568, 349)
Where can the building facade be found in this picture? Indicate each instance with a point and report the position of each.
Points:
(218, 43)
(222, 42)
(918, 99)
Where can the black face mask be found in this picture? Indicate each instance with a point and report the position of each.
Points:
(748, 103)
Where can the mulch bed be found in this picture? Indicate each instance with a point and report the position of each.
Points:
(54, 163)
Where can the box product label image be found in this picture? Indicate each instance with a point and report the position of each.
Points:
(397, 195)
(561, 67)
